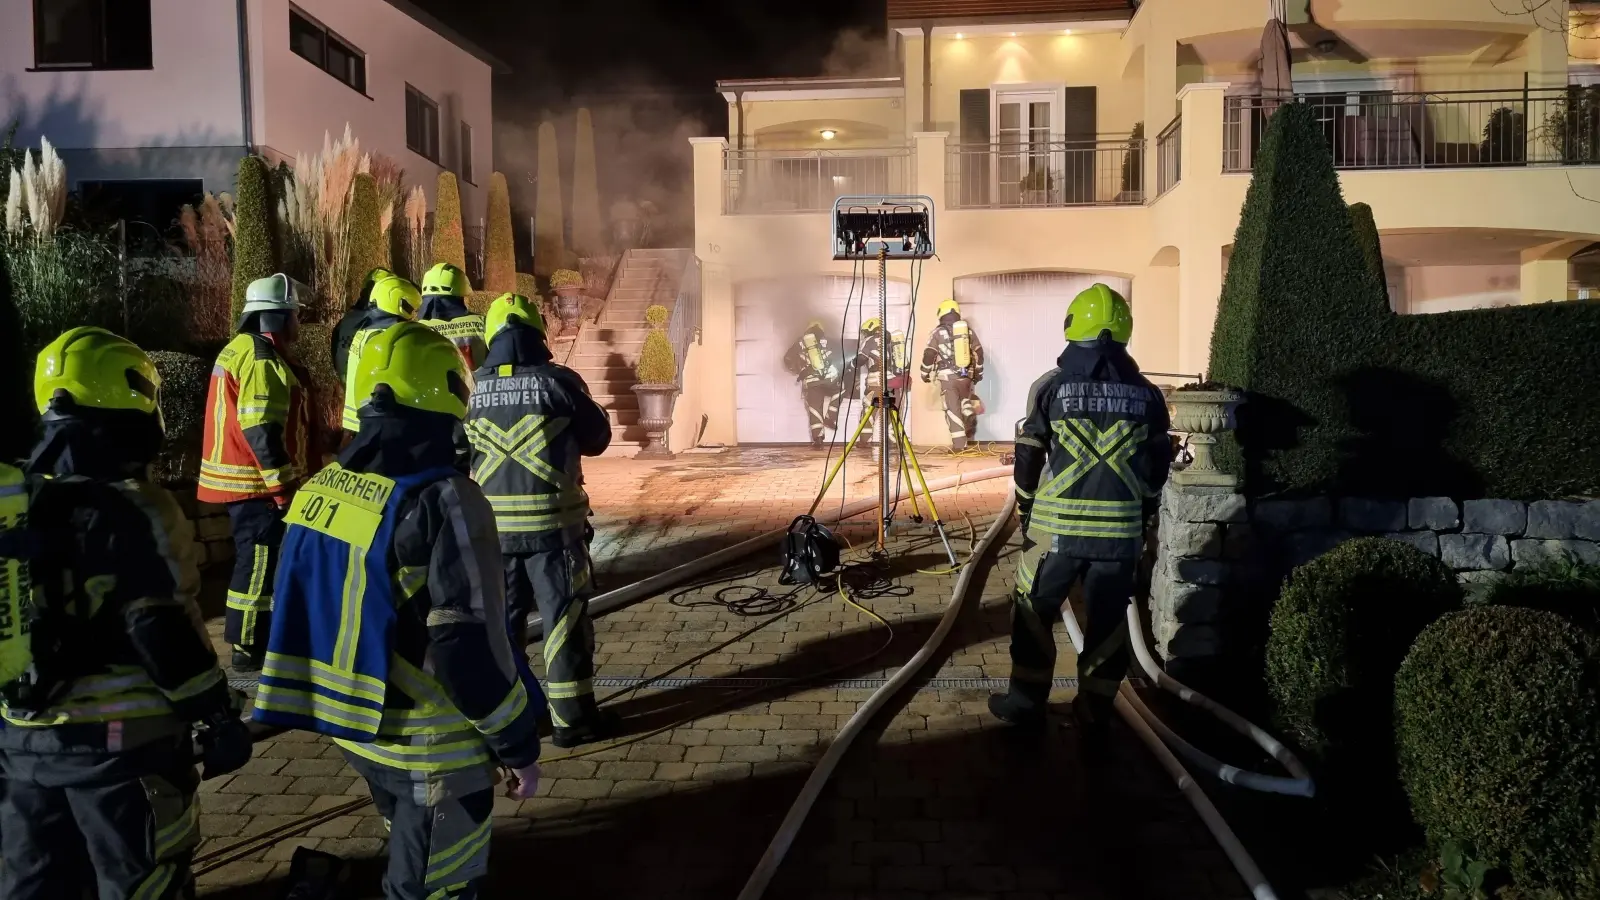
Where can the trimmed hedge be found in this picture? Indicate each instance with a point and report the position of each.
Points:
(184, 381)
(500, 258)
(657, 363)
(1497, 722)
(1339, 632)
(254, 244)
(449, 241)
(1347, 397)
(549, 229)
(314, 348)
(588, 235)
(367, 251)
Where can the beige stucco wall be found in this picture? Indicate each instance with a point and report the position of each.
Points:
(798, 124)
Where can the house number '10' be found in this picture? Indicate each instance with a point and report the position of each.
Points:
(714, 248)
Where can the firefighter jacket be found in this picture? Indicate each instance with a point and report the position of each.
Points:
(450, 317)
(1092, 453)
(258, 423)
(953, 351)
(869, 355)
(412, 667)
(813, 358)
(531, 422)
(344, 334)
(376, 320)
(119, 653)
(16, 652)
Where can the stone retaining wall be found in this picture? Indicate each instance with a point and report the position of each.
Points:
(212, 530)
(1221, 558)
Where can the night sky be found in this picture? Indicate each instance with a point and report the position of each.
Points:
(563, 47)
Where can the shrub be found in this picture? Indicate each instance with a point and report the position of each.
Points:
(500, 257)
(1366, 231)
(478, 301)
(184, 381)
(1497, 720)
(1133, 161)
(566, 278)
(1339, 632)
(1345, 396)
(549, 250)
(314, 349)
(657, 363)
(1572, 129)
(449, 241)
(527, 285)
(1505, 137)
(1570, 589)
(253, 251)
(588, 237)
(366, 237)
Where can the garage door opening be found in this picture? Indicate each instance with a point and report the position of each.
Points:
(1018, 318)
(769, 317)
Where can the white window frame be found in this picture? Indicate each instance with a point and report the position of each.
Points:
(1027, 92)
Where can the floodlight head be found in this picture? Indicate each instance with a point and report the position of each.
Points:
(891, 226)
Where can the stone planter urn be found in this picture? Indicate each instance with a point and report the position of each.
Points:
(655, 414)
(569, 305)
(1203, 415)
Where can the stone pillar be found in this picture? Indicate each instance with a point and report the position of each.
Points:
(1201, 529)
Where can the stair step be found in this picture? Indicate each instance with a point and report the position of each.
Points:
(623, 334)
(617, 401)
(624, 417)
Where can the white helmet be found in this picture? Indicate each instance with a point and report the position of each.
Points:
(279, 294)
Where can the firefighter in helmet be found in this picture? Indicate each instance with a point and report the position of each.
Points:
(815, 362)
(394, 300)
(954, 355)
(444, 309)
(1091, 457)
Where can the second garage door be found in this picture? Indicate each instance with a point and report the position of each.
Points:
(1018, 318)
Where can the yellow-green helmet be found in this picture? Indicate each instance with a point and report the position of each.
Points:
(397, 297)
(1097, 310)
(872, 324)
(507, 307)
(98, 370)
(370, 282)
(421, 367)
(445, 280)
(947, 307)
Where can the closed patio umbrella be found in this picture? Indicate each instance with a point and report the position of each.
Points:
(1276, 82)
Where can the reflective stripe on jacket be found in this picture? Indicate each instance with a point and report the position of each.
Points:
(943, 355)
(530, 428)
(376, 321)
(258, 423)
(16, 651)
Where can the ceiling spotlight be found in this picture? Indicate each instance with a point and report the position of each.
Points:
(1013, 34)
(1066, 31)
(829, 134)
(960, 36)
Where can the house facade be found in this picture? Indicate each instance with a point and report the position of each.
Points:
(1069, 141)
(153, 101)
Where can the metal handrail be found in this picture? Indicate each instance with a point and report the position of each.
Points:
(683, 328)
(777, 181)
(1052, 173)
(1169, 156)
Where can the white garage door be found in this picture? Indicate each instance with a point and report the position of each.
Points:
(1018, 318)
(768, 318)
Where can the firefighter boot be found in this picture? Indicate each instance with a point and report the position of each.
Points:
(1014, 709)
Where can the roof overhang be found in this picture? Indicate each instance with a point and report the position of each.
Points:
(1012, 29)
(495, 64)
(812, 88)
(915, 14)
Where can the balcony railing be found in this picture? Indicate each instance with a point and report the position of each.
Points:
(1389, 130)
(1046, 173)
(778, 181)
(1169, 156)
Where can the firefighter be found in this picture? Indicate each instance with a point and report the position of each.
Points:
(394, 300)
(112, 669)
(389, 634)
(1091, 457)
(816, 364)
(257, 446)
(869, 374)
(955, 355)
(444, 309)
(345, 332)
(531, 423)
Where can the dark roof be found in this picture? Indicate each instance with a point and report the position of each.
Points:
(450, 34)
(1007, 10)
(822, 82)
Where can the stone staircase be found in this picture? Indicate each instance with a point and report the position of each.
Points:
(608, 348)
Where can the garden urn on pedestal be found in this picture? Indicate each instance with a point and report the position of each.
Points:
(567, 285)
(1203, 412)
(658, 385)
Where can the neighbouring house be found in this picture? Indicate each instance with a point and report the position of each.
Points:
(153, 101)
(1068, 141)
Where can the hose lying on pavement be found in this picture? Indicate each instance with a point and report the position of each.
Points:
(789, 829)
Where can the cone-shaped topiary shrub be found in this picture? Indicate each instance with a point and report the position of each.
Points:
(184, 380)
(449, 242)
(254, 244)
(587, 237)
(657, 363)
(1498, 726)
(549, 241)
(500, 260)
(1340, 629)
(367, 250)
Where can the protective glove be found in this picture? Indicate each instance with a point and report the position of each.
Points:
(224, 745)
(523, 783)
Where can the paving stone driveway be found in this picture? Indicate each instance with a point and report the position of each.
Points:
(936, 801)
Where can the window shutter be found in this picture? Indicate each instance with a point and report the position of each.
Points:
(1078, 113)
(974, 158)
(1079, 129)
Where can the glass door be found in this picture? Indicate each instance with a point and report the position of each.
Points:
(1027, 172)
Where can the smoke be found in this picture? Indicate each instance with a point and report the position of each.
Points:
(858, 53)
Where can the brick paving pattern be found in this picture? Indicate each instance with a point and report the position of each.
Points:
(935, 801)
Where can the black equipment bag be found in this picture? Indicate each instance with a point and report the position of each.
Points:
(810, 551)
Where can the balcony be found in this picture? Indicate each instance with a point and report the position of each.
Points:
(1053, 173)
(808, 181)
(1169, 157)
(1459, 129)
